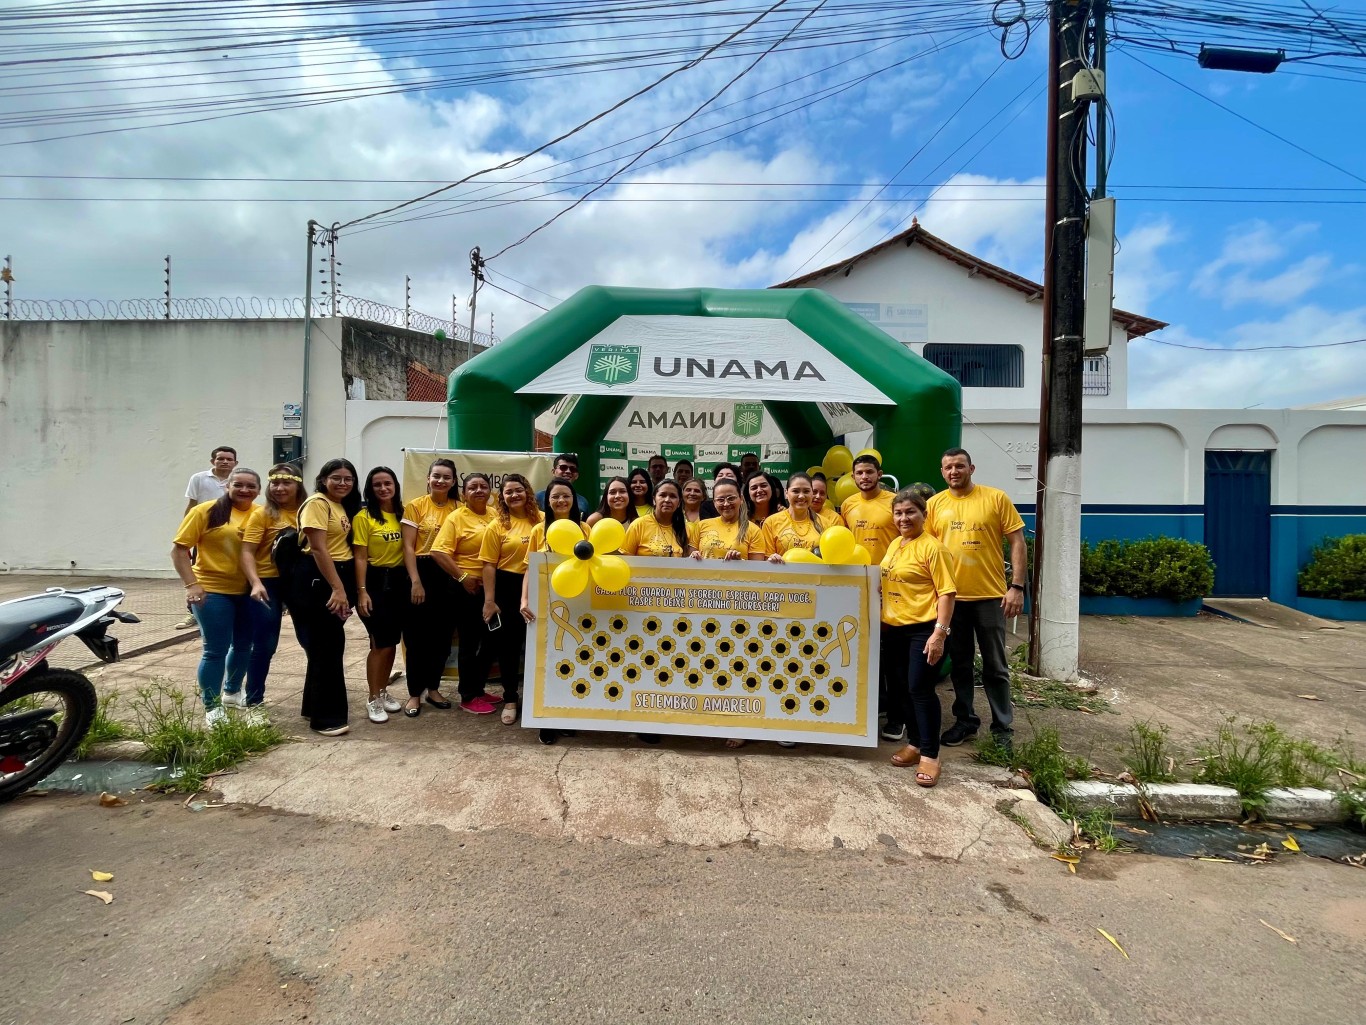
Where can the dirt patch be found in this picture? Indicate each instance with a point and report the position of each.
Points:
(256, 991)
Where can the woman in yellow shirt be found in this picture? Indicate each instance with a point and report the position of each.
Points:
(917, 606)
(503, 554)
(825, 514)
(616, 503)
(642, 488)
(795, 526)
(694, 495)
(216, 587)
(729, 535)
(763, 496)
(284, 494)
(456, 550)
(664, 533)
(324, 590)
(381, 583)
(431, 621)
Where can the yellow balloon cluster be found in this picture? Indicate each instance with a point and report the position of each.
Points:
(587, 558)
(838, 548)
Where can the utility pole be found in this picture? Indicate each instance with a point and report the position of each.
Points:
(477, 272)
(168, 287)
(332, 266)
(1054, 639)
(407, 299)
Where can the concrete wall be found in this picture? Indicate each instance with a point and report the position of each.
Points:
(967, 309)
(378, 355)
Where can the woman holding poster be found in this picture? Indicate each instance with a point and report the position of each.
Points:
(794, 527)
(763, 496)
(616, 503)
(642, 487)
(664, 533)
(917, 606)
(503, 554)
(729, 535)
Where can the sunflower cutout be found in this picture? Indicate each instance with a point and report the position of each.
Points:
(765, 665)
(682, 625)
(790, 704)
(710, 663)
(664, 676)
(584, 655)
(587, 622)
(711, 627)
(753, 646)
(805, 686)
(631, 674)
(768, 628)
(822, 631)
(602, 640)
(564, 669)
(808, 649)
(793, 667)
(613, 691)
(582, 688)
(696, 646)
(721, 680)
(739, 666)
(752, 682)
(680, 663)
(725, 646)
(635, 645)
(739, 628)
(649, 660)
(693, 679)
(795, 631)
(780, 647)
(838, 687)
(819, 705)
(820, 670)
(616, 657)
(617, 623)
(777, 684)
(651, 625)
(667, 645)
(599, 671)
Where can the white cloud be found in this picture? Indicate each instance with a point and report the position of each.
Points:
(1141, 270)
(1231, 279)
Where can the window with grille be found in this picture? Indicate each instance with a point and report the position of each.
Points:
(1095, 375)
(979, 366)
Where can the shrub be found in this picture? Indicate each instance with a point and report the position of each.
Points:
(1156, 567)
(1336, 569)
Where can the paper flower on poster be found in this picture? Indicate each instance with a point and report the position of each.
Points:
(584, 559)
(837, 548)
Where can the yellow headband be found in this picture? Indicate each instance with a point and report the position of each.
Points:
(286, 476)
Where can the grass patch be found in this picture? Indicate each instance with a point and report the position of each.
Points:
(1098, 829)
(1036, 693)
(1148, 759)
(1041, 760)
(1252, 758)
(104, 727)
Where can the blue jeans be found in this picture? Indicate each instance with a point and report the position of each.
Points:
(265, 637)
(225, 625)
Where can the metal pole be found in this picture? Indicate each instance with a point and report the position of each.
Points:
(1099, 9)
(308, 341)
(8, 275)
(332, 268)
(407, 299)
(168, 287)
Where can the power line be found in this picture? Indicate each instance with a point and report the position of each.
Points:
(1253, 348)
(514, 295)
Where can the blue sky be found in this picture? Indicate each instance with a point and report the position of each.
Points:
(1236, 238)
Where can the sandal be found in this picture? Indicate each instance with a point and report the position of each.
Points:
(927, 777)
(735, 742)
(906, 757)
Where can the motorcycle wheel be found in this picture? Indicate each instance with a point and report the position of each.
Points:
(73, 697)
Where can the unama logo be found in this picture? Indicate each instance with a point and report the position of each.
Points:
(612, 365)
(748, 419)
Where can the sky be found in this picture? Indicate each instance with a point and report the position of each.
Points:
(1240, 197)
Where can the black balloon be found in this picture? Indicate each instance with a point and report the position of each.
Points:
(583, 550)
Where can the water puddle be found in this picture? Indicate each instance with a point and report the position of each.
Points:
(1240, 844)
(115, 776)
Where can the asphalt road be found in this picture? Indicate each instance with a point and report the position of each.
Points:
(242, 916)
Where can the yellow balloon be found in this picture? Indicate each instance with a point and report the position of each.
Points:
(861, 557)
(607, 535)
(813, 470)
(870, 452)
(800, 555)
(838, 461)
(837, 545)
(562, 536)
(570, 577)
(611, 572)
(844, 487)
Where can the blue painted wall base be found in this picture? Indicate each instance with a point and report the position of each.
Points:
(1117, 605)
(1331, 608)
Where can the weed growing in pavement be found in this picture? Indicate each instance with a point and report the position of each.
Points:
(1041, 759)
(104, 727)
(1098, 828)
(166, 721)
(1037, 693)
(1248, 759)
(1148, 759)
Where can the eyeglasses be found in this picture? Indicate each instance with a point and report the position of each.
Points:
(341, 480)
(731, 500)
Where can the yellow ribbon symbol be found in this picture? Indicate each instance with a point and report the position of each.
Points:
(559, 615)
(844, 633)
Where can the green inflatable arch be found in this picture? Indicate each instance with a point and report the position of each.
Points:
(489, 407)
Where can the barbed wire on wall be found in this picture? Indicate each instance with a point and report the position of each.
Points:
(238, 308)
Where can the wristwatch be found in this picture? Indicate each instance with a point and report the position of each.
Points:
(940, 626)
(1015, 587)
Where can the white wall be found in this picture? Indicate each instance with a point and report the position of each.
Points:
(378, 432)
(969, 309)
(102, 423)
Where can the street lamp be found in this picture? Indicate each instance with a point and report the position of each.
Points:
(1229, 58)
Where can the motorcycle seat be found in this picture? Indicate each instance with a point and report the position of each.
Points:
(25, 622)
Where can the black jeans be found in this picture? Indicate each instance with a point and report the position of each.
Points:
(428, 630)
(910, 683)
(986, 622)
(475, 643)
(324, 703)
(508, 643)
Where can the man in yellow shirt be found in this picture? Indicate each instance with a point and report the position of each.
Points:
(971, 520)
(869, 512)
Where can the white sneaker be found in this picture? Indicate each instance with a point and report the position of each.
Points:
(215, 717)
(386, 699)
(335, 731)
(235, 699)
(188, 623)
(256, 716)
(375, 710)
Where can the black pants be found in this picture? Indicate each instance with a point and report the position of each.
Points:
(508, 643)
(324, 703)
(428, 630)
(984, 620)
(389, 608)
(910, 683)
(475, 643)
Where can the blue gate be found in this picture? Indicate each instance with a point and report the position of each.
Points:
(1238, 522)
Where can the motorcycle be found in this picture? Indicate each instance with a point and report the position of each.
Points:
(45, 712)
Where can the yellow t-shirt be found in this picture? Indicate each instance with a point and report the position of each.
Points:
(828, 516)
(321, 513)
(782, 533)
(218, 552)
(507, 547)
(537, 541)
(648, 537)
(971, 528)
(914, 575)
(383, 542)
(260, 530)
(462, 536)
(715, 537)
(644, 510)
(427, 517)
(871, 522)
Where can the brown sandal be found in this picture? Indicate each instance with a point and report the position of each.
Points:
(928, 777)
(735, 743)
(906, 757)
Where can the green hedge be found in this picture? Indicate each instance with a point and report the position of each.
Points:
(1156, 567)
(1336, 569)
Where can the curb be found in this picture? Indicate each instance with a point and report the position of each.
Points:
(1203, 801)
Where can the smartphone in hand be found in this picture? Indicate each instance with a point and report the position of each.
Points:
(496, 622)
